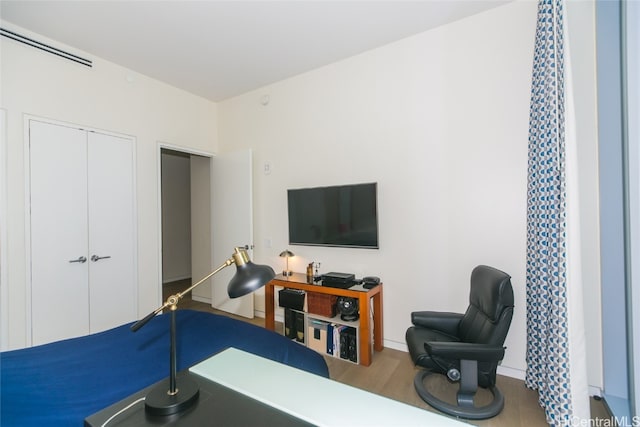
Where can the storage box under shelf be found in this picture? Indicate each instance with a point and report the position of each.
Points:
(291, 298)
(322, 304)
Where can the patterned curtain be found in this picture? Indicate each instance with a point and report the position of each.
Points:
(548, 369)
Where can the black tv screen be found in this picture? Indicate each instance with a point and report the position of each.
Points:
(344, 215)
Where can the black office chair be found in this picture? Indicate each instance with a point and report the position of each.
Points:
(466, 347)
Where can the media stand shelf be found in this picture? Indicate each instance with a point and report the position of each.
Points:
(370, 323)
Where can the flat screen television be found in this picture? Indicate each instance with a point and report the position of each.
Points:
(343, 215)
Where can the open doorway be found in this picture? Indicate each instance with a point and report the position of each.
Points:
(186, 221)
(188, 181)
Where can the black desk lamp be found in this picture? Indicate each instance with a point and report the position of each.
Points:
(167, 399)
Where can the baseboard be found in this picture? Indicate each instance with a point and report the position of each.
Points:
(201, 299)
(595, 391)
(395, 345)
(175, 279)
(511, 372)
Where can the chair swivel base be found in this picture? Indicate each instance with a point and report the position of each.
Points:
(465, 407)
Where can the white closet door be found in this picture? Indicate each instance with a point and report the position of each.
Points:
(112, 239)
(59, 234)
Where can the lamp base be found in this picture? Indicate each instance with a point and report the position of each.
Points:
(287, 273)
(160, 402)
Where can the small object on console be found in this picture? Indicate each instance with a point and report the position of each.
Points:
(370, 282)
(338, 280)
(339, 277)
(310, 273)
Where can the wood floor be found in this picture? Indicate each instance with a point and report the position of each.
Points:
(391, 374)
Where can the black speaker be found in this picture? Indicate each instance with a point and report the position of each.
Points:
(299, 321)
(289, 323)
(348, 308)
(348, 344)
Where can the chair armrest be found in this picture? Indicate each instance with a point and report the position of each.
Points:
(465, 351)
(440, 321)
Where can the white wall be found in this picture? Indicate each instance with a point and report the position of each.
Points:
(176, 217)
(106, 97)
(440, 121)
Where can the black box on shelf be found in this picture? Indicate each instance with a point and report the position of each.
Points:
(291, 298)
(338, 280)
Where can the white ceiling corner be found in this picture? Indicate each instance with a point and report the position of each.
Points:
(220, 49)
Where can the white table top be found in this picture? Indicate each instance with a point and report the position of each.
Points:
(310, 397)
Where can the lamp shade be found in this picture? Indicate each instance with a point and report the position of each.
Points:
(249, 276)
(287, 253)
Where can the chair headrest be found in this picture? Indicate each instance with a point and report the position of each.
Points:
(491, 291)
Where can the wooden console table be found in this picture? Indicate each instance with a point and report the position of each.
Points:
(299, 281)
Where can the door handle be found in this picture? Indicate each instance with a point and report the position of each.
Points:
(81, 260)
(95, 258)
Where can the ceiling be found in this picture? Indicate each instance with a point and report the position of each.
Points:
(220, 49)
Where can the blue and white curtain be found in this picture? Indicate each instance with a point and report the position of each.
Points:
(555, 344)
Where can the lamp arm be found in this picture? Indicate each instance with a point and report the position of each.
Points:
(179, 296)
(248, 278)
(172, 301)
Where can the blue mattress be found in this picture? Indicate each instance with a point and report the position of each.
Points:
(62, 383)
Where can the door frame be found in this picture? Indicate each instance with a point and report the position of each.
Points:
(167, 146)
(27, 206)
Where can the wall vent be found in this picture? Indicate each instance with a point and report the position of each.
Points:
(45, 47)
